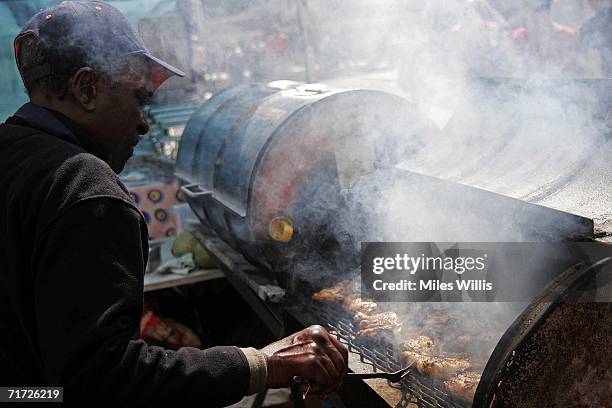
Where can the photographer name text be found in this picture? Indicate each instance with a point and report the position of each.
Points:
(411, 265)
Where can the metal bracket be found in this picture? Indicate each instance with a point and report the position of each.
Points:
(194, 191)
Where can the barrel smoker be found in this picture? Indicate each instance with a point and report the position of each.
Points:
(286, 175)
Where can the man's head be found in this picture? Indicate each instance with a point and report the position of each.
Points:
(85, 60)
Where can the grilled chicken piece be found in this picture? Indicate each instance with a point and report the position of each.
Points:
(334, 294)
(378, 324)
(421, 344)
(442, 367)
(437, 367)
(463, 385)
(359, 316)
(355, 303)
(380, 319)
(421, 352)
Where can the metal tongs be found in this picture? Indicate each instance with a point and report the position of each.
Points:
(394, 377)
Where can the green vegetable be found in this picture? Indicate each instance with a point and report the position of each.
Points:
(202, 258)
(183, 244)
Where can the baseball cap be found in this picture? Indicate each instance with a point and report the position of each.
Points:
(92, 32)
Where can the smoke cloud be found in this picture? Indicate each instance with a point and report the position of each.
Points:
(514, 109)
(501, 98)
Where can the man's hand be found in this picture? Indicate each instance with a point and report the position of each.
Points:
(313, 354)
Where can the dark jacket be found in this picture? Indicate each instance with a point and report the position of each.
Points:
(73, 249)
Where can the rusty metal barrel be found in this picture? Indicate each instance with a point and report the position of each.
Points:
(250, 154)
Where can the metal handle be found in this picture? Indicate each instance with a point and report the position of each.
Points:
(194, 191)
(365, 376)
(396, 376)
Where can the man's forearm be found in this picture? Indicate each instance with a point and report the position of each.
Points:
(149, 375)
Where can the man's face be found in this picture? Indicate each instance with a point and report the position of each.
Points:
(119, 116)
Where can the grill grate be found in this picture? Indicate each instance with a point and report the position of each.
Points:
(416, 389)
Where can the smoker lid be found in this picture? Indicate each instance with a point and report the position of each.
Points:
(231, 135)
(553, 353)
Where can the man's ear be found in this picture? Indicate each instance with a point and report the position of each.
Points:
(85, 85)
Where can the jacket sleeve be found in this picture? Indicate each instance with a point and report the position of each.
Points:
(89, 294)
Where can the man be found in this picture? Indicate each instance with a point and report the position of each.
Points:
(74, 246)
